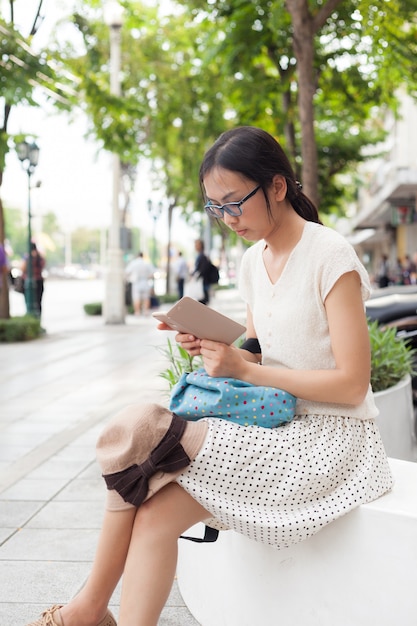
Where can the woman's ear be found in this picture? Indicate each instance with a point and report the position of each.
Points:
(279, 186)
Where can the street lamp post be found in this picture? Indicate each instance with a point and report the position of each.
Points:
(28, 154)
(114, 301)
(155, 211)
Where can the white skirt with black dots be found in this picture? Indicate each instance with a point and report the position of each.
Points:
(280, 486)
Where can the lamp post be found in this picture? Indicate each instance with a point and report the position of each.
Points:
(155, 211)
(114, 300)
(28, 154)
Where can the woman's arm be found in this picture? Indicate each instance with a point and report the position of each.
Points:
(347, 383)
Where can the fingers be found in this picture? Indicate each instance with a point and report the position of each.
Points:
(163, 326)
(190, 343)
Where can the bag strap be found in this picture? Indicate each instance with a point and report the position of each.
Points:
(210, 535)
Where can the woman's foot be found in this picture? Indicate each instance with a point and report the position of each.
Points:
(52, 617)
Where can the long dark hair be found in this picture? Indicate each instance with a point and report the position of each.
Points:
(259, 157)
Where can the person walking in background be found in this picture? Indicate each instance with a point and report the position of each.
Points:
(4, 267)
(181, 274)
(409, 271)
(38, 266)
(383, 272)
(202, 268)
(140, 273)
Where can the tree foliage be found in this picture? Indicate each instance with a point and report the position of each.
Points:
(315, 70)
(317, 74)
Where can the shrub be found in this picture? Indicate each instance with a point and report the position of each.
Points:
(391, 357)
(96, 308)
(93, 308)
(22, 328)
(168, 298)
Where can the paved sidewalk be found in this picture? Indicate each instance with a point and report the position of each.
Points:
(56, 393)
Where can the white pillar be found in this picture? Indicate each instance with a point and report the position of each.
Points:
(114, 300)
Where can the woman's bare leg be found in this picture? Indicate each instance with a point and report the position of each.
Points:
(141, 544)
(89, 606)
(152, 556)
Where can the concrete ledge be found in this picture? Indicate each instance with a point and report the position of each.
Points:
(357, 571)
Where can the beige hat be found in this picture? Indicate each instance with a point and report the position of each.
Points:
(144, 448)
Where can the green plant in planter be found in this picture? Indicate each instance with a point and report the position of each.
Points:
(180, 362)
(391, 357)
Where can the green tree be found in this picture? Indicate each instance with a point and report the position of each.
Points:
(22, 71)
(316, 73)
(16, 227)
(85, 244)
(166, 112)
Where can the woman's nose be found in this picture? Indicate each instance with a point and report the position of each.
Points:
(229, 220)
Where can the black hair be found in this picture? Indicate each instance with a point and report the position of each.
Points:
(258, 156)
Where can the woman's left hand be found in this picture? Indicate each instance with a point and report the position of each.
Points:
(220, 359)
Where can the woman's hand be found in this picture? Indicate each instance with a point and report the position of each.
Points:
(190, 343)
(219, 359)
(163, 326)
(222, 360)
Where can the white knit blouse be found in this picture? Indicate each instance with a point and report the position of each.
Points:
(289, 316)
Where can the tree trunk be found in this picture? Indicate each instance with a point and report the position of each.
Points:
(305, 28)
(303, 44)
(289, 130)
(4, 285)
(171, 208)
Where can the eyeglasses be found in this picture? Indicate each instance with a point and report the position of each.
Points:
(231, 208)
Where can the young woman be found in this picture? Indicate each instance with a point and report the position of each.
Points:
(305, 289)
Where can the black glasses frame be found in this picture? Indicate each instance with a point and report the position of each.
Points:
(231, 208)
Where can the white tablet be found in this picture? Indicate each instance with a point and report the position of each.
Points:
(190, 316)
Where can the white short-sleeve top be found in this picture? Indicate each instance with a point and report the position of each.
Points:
(289, 316)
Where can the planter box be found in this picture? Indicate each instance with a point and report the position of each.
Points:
(395, 420)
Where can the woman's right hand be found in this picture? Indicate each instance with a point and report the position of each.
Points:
(190, 343)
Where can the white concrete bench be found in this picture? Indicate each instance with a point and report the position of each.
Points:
(358, 571)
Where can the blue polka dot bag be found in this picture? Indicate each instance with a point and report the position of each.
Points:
(197, 395)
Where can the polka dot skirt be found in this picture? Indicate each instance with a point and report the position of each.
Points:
(279, 486)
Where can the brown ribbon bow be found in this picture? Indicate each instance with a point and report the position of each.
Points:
(167, 456)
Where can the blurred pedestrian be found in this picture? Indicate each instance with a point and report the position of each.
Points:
(140, 273)
(383, 272)
(409, 270)
(37, 286)
(202, 269)
(4, 267)
(181, 274)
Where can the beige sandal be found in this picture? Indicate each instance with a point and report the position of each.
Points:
(47, 618)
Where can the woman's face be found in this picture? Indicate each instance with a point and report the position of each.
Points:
(222, 186)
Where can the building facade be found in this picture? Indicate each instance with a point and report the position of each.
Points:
(385, 223)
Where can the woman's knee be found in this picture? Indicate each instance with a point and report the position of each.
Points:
(171, 511)
(138, 445)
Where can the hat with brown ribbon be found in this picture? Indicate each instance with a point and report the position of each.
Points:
(144, 448)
